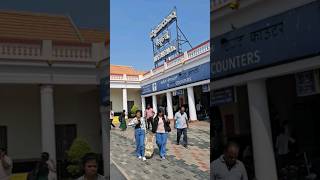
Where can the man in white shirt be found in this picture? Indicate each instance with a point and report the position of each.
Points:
(227, 166)
(5, 165)
(181, 124)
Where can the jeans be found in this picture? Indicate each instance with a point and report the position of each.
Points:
(185, 137)
(139, 135)
(149, 123)
(161, 140)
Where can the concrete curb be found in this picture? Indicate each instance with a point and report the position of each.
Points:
(121, 170)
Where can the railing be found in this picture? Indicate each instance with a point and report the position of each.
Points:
(48, 50)
(71, 53)
(132, 78)
(175, 61)
(116, 77)
(188, 55)
(123, 77)
(158, 70)
(201, 49)
(18, 50)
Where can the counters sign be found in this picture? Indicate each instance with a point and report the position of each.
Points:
(279, 39)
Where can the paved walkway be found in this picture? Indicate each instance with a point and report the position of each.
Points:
(181, 163)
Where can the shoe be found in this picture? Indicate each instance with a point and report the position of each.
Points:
(163, 158)
(139, 157)
(186, 146)
(177, 143)
(144, 158)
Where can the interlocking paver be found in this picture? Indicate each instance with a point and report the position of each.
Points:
(181, 163)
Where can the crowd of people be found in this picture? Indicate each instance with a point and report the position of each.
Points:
(45, 168)
(156, 123)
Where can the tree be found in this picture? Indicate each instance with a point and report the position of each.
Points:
(77, 150)
(133, 110)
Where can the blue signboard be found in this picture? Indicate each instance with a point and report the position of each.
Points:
(164, 39)
(222, 96)
(286, 37)
(198, 73)
(104, 91)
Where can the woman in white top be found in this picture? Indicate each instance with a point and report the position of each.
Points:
(140, 131)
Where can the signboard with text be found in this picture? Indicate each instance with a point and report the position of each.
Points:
(198, 73)
(306, 83)
(283, 38)
(222, 96)
(164, 39)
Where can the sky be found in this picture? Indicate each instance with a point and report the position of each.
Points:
(85, 13)
(132, 20)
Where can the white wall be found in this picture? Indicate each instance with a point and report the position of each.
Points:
(20, 112)
(135, 95)
(116, 98)
(80, 105)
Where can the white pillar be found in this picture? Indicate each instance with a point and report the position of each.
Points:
(264, 159)
(105, 128)
(125, 101)
(47, 121)
(169, 105)
(154, 103)
(192, 105)
(143, 104)
(104, 115)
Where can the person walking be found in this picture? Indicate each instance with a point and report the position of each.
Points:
(51, 166)
(111, 119)
(90, 168)
(227, 166)
(5, 165)
(161, 126)
(181, 124)
(140, 131)
(123, 124)
(282, 146)
(149, 113)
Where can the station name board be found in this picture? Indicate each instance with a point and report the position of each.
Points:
(167, 20)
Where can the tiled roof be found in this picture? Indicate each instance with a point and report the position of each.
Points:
(37, 26)
(21, 25)
(129, 70)
(91, 35)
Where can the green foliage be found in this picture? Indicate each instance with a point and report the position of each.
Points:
(133, 110)
(77, 150)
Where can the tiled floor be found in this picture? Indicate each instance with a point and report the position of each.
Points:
(181, 163)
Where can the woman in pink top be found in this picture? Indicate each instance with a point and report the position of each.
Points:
(161, 126)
